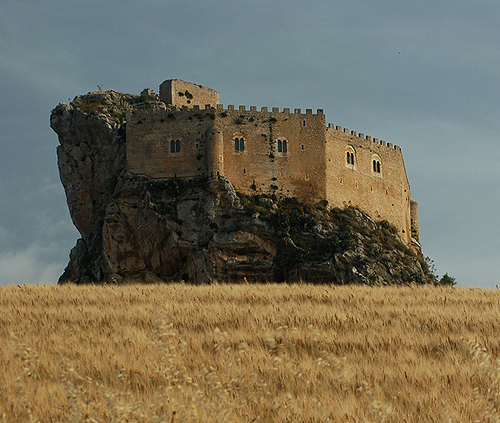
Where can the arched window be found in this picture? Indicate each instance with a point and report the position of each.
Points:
(177, 146)
(172, 146)
(350, 156)
(282, 146)
(376, 166)
(239, 144)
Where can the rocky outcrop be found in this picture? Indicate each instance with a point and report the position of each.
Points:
(134, 229)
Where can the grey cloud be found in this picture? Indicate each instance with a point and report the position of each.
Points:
(423, 75)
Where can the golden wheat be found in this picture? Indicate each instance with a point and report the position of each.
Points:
(231, 353)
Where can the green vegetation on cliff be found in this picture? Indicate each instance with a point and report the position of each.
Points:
(110, 103)
(313, 236)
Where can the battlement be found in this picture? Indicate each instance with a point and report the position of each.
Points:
(345, 131)
(275, 110)
(230, 108)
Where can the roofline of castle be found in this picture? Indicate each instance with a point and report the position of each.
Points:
(286, 110)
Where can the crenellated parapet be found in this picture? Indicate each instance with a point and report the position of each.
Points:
(345, 132)
(285, 112)
(275, 110)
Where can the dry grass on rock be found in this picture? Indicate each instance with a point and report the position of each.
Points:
(243, 353)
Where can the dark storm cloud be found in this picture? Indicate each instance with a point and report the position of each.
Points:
(423, 75)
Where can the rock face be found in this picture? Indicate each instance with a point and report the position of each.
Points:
(138, 230)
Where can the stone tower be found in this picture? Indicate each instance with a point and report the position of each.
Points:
(180, 93)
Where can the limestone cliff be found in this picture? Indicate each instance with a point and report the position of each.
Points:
(136, 229)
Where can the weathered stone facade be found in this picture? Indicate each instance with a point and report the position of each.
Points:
(180, 93)
(287, 153)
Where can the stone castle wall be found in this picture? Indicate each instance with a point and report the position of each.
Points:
(381, 190)
(151, 132)
(207, 140)
(243, 144)
(260, 167)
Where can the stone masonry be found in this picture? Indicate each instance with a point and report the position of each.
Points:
(287, 153)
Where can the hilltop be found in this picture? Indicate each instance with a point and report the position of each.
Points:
(135, 228)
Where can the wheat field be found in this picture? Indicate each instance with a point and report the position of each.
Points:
(248, 353)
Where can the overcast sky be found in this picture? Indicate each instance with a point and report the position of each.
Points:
(420, 74)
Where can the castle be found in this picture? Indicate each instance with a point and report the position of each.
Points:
(188, 134)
